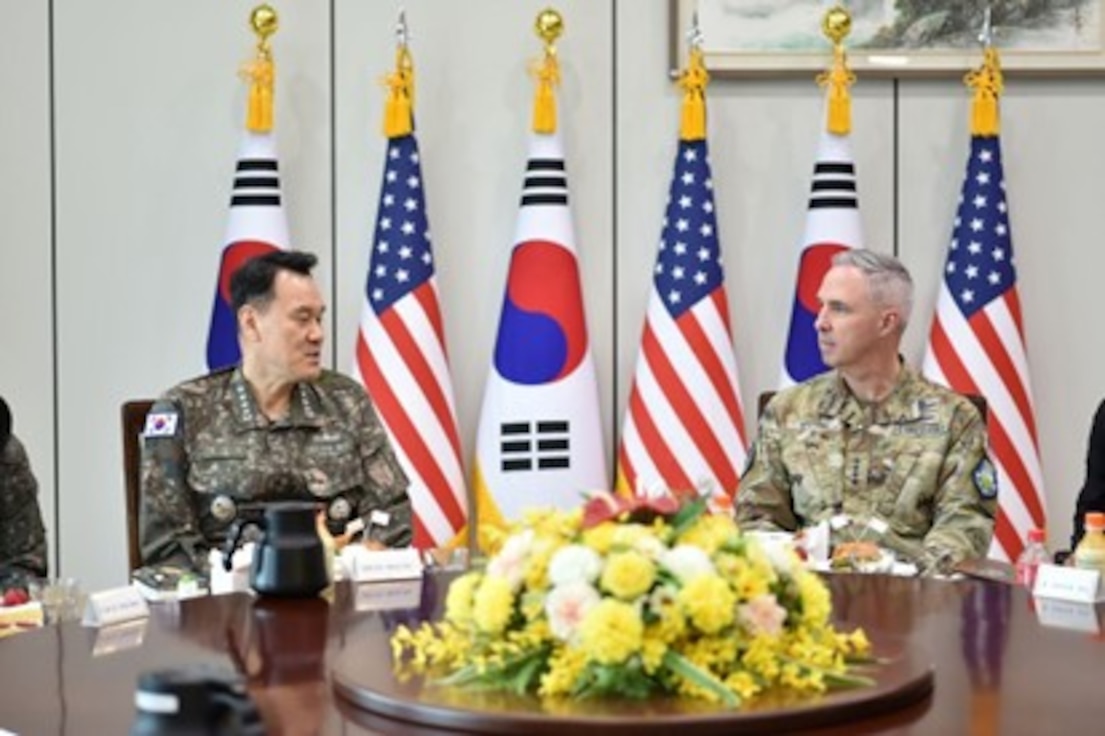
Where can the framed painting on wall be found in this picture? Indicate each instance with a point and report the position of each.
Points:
(893, 37)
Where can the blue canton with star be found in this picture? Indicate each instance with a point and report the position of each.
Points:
(401, 259)
(688, 267)
(980, 259)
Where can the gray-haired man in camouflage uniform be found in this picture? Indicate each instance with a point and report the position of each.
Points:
(277, 427)
(22, 536)
(872, 447)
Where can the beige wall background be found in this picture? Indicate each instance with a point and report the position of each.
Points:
(122, 121)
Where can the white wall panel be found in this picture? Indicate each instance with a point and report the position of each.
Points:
(26, 333)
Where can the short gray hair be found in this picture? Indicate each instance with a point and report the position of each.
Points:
(888, 279)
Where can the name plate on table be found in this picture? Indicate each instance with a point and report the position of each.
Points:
(114, 606)
(119, 637)
(1068, 584)
(391, 595)
(1068, 615)
(386, 564)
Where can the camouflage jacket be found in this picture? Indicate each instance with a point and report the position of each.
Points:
(916, 461)
(22, 536)
(207, 449)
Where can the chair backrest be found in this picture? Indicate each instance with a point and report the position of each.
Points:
(978, 401)
(134, 420)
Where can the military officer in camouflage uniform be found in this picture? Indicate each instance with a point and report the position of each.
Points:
(22, 536)
(276, 427)
(881, 453)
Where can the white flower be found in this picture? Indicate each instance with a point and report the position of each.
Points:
(687, 562)
(574, 563)
(509, 564)
(567, 605)
(781, 555)
(762, 615)
(650, 547)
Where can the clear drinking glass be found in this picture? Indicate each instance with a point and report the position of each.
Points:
(60, 598)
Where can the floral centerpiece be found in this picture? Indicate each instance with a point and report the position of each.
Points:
(635, 597)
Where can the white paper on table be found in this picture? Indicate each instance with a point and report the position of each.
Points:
(237, 579)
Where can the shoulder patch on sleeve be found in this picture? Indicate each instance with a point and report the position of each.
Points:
(161, 424)
(986, 478)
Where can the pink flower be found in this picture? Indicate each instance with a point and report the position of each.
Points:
(762, 615)
(567, 605)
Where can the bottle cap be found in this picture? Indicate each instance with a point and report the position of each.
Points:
(1095, 519)
(1037, 536)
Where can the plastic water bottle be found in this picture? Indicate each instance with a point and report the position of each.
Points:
(1033, 555)
(1090, 552)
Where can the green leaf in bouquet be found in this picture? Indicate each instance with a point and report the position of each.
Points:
(686, 669)
(686, 516)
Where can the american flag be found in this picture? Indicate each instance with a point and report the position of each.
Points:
(400, 356)
(684, 424)
(976, 345)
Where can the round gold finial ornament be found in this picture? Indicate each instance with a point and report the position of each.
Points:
(836, 24)
(264, 21)
(549, 26)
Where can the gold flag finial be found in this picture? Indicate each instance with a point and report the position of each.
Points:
(987, 83)
(836, 24)
(261, 72)
(549, 26)
(399, 108)
(693, 80)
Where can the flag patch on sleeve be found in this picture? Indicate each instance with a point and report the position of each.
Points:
(161, 424)
(986, 478)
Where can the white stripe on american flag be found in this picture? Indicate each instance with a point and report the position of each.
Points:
(440, 463)
(657, 399)
(1005, 416)
(694, 378)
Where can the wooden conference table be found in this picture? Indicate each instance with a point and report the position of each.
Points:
(998, 668)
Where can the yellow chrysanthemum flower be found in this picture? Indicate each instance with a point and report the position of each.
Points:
(565, 666)
(743, 684)
(458, 602)
(493, 605)
(708, 602)
(710, 532)
(611, 632)
(652, 649)
(628, 575)
(601, 537)
(816, 602)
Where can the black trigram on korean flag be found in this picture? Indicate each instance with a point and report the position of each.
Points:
(530, 446)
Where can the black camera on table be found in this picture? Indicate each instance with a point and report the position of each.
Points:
(189, 701)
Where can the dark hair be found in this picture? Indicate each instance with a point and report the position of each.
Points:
(252, 282)
(5, 423)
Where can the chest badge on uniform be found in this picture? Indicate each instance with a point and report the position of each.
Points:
(160, 424)
(986, 478)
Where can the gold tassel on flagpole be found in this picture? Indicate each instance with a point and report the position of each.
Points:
(399, 108)
(549, 26)
(837, 24)
(261, 72)
(987, 83)
(693, 80)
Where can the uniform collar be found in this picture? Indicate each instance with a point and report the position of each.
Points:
(305, 409)
(901, 405)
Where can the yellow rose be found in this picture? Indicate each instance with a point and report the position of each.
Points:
(628, 575)
(612, 632)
